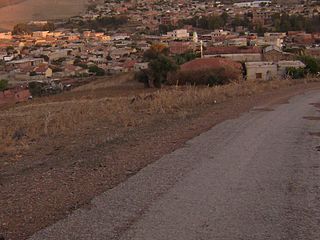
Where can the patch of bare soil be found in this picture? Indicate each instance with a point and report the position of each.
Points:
(317, 105)
(313, 118)
(316, 134)
(58, 175)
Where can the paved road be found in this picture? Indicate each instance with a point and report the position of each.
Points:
(255, 177)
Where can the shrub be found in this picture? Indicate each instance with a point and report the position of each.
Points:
(35, 89)
(312, 64)
(185, 57)
(96, 70)
(210, 77)
(142, 77)
(296, 73)
(3, 85)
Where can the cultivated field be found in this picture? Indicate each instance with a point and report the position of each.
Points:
(24, 11)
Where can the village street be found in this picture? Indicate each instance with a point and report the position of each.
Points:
(255, 177)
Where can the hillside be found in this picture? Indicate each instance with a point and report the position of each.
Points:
(59, 152)
(25, 10)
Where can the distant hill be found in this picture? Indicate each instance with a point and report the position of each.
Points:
(4, 3)
(17, 11)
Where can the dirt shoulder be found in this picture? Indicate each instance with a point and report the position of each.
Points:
(58, 175)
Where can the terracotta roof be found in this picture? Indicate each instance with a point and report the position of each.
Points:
(42, 68)
(231, 50)
(130, 63)
(179, 47)
(210, 63)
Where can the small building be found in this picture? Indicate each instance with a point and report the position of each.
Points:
(43, 70)
(5, 36)
(284, 65)
(275, 54)
(141, 66)
(179, 34)
(266, 71)
(261, 70)
(238, 42)
(40, 34)
(21, 63)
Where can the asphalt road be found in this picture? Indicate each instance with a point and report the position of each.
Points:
(255, 177)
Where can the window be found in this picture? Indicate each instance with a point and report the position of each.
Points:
(258, 75)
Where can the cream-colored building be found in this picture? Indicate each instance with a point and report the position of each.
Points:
(266, 71)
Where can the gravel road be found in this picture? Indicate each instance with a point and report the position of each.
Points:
(255, 177)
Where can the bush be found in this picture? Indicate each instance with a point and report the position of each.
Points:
(3, 85)
(97, 71)
(296, 73)
(209, 77)
(185, 57)
(142, 77)
(312, 64)
(35, 89)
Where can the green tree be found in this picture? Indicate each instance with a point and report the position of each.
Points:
(312, 64)
(160, 64)
(20, 29)
(163, 29)
(160, 68)
(185, 57)
(97, 70)
(35, 88)
(225, 17)
(10, 49)
(4, 84)
(296, 73)
(49, 27)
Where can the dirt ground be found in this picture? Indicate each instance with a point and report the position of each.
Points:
(58, 175)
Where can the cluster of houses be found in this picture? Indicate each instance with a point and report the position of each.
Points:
(68, 53)
(63, 54)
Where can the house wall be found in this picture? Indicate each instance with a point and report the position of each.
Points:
(270, 70)
(267, 72)
(58, 54)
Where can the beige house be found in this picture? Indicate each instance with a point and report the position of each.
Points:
(261, 70)
(266, 71)
(43, 70)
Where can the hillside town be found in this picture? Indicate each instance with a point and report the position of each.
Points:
(265, 37)
(160, 120)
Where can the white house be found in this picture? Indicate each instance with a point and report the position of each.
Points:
(253, 4)
(179, 34)
(141, 66)
(40, 34)
(5, 36)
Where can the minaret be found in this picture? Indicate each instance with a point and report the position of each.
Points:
(201, 48)
(195, 37)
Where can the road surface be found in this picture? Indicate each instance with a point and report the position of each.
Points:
(255, 177)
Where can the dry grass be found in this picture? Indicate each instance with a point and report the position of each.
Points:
(24, 124)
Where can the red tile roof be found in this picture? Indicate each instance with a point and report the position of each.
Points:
(231, 50)
(210, 63)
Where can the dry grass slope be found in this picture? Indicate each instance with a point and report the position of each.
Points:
(22, 125)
